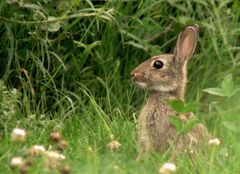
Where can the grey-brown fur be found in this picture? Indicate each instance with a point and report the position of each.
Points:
(169, 82)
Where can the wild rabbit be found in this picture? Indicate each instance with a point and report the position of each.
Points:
(165, 77)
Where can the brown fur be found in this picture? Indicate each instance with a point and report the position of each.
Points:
(169, 82)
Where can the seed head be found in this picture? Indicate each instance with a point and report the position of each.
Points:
(62, 145)
(65, 169)
(114, 145)
(24, 169)
(56, 136)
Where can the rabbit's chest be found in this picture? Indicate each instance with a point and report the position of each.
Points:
(156, 125)
(156, 116)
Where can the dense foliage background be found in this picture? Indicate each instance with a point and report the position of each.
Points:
(70, 62)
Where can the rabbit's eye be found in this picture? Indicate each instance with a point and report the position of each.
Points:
(158, 64)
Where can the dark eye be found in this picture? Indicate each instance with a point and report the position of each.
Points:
(158, 64)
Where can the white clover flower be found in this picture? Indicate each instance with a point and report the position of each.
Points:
(54, 155)
(167, 168)
(37, 149)
(16, 162)
(114, 145)
(214, 141)
(18, 134)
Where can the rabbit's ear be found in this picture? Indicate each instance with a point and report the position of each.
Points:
(186, 43)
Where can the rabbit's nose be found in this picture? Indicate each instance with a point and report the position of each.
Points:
(132, 74)
(137, 75)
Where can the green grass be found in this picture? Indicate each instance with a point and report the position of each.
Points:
(73, 72)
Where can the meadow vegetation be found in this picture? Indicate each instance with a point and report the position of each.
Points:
(65, 66)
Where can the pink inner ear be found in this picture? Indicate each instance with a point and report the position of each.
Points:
(186, 43)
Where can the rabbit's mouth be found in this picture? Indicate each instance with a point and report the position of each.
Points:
(147, 84)
(141, 84)
(140, 80)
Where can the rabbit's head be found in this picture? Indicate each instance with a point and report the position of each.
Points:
(167, 72)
